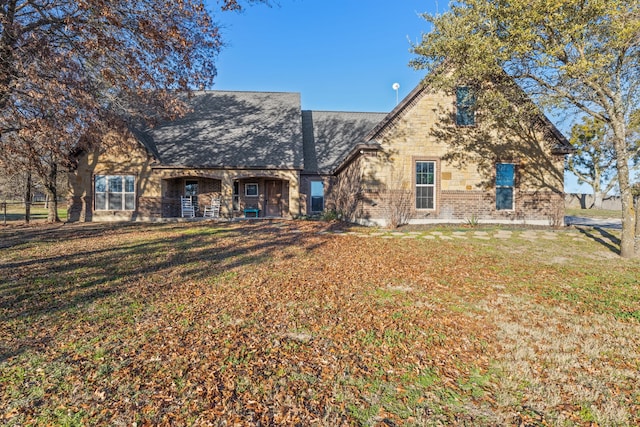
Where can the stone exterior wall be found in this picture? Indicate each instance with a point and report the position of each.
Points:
(305, 193)
(539, 208)
(464, 170)
(346, 193)
(158, 189)
(377, 186)
(123, 157)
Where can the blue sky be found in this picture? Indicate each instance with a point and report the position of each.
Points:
(341, 55)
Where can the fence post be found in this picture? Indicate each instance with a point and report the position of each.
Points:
(4, 213)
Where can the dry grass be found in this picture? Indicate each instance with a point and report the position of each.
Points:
(14, 214)
(593, 213)
(571, 368)
(289, 323)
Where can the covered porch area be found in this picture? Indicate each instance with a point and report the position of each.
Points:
(243, 194)
(261, 197)
(199, 190)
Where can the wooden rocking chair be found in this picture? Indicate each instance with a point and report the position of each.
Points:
(213, 210)
(187, 209)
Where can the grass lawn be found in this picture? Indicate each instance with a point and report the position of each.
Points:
(15, 212)
(593, 213)
(293, 323)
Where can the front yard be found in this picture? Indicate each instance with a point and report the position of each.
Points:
(293, 323)
(14, 212)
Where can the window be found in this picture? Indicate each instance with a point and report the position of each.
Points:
(251, 190)
(425, 185)
(191, 191)
(465, 104)
(115, 192)
(505, 183)
(317, 196)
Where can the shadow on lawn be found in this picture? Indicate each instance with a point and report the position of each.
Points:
(39, 290)
(603, 237)
(45, 232)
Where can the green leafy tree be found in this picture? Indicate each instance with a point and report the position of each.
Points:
(594, 159)
(71, 69)
(577, 56)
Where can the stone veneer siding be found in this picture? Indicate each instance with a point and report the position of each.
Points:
(158, 189)
(463, 192)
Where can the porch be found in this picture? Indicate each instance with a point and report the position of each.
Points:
(244, 197)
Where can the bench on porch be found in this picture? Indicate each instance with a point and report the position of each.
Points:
(254, 211)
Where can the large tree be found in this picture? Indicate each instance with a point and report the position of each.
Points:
(593, 162)
(577, 56)
(70, 69)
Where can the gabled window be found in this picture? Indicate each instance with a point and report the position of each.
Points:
(425, 185)
(115, 192)
(465, 106)
(505, 184)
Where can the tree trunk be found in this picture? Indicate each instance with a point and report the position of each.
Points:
(52, 215)
(627, 241)
(52, 191)
(636, 200)
(583, 201)
(27, 199)
(628, 237)
(598, 197)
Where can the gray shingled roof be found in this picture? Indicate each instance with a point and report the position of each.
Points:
(329, 136)
(232, 130)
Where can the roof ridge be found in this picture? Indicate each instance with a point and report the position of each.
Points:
(245, 91)
(344, 111)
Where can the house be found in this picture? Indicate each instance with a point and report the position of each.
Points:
(261, 154)
(434, 158)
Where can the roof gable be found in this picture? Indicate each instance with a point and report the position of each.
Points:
(561, 144)
(390, 119)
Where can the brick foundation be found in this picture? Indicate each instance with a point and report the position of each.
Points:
(459, 206)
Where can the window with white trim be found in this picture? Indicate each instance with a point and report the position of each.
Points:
(425, 185)
(505, 184)
(251, 190)
(115, 192)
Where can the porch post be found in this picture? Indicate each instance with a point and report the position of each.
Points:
(226, 190)
(294, 194)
